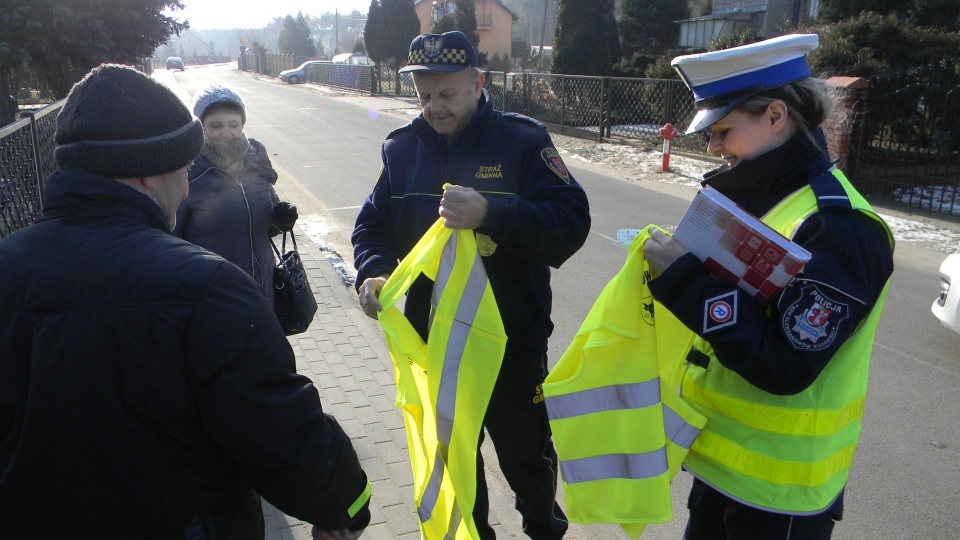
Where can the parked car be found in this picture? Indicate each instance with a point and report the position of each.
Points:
(299, 74)
(175, 62)
(947, 305)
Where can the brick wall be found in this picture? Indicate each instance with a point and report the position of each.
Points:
(838, 129)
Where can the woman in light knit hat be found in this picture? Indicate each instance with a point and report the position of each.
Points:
(233, 209)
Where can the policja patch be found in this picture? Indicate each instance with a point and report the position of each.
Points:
(812, 321)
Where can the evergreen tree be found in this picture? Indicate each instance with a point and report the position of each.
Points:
(447, 23)
(465, 19)
(373, 33)
(402, 25)
(585, 39)
(295, 39)
(648, 27)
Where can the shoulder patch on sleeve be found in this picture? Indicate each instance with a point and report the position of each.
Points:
(552, 158)
(812, 321)
(720, 311)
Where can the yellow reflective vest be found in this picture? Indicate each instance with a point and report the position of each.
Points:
(444, 385)
(619, 429)
(787, 454)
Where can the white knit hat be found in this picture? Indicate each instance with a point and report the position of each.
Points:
(217, 93)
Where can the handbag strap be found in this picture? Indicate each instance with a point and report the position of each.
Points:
(283, 244)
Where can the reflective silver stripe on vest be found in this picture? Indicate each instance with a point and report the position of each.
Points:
(430, 494)
(612, 398)
(607, 398)
(678, 430)
(627, 466)
(467, 309)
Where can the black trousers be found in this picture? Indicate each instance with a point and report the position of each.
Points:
(714, 516)
(516, 420)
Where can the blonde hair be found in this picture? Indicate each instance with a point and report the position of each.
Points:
(808, 101)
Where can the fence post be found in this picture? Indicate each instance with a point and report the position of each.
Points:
(526, 94)
(563, 101)
(35, 152)
(604, 106)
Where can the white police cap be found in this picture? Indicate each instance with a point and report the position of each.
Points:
(722, 80)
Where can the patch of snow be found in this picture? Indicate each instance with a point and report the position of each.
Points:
(316, 226)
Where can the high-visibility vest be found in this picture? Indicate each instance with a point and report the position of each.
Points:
(620, 431)
(788, 454)
(444, 385)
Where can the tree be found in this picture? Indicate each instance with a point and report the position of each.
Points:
(647, 26)
(871, 44)
(373, 33)
(585, 40)
(295, 39)
(465, 20)
(837, 10)
(61, 42)
(402, 26)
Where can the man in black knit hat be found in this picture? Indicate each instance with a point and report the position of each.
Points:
(146, 388)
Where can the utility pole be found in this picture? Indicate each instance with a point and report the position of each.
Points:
(336, 31)
(543, 30)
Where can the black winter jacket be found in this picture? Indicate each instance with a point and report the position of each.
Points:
(537, 214)
(230, 215)
(146, 386)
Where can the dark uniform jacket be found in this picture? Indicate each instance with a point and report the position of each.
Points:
(230, 216)
(146, 386)
(537, 214)
(851, 260)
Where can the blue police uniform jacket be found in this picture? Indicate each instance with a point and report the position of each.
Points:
(537, 214)
(851, 260)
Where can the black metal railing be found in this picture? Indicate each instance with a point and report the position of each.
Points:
(26, 159)
(906, 142)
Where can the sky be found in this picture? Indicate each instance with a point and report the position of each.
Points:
(229, 14)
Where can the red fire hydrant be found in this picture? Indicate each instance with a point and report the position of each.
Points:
(667, 132)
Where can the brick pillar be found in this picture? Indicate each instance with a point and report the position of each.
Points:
(839, 127)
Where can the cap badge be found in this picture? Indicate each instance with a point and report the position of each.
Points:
(432, 46)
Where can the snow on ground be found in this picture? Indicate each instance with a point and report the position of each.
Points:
(647, 163)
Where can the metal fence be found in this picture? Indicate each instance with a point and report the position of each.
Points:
(356, 78)
(906, 139)
(599, 108)
(26, 159)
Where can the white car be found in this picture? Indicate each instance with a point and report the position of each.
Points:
(947, 306)
(298, 74)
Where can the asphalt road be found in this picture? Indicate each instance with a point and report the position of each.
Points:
(904, 483)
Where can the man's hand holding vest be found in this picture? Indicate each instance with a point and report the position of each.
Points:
(462, 208)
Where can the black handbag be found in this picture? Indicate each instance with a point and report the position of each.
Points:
(293, 300)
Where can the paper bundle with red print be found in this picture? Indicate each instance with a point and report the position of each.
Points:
(738, 247)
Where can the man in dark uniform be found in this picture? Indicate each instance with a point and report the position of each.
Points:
(510, 186)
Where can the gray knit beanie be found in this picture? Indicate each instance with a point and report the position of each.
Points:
(119, 123)
(217, 93)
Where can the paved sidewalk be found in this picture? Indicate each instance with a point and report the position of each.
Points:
(344, 353)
